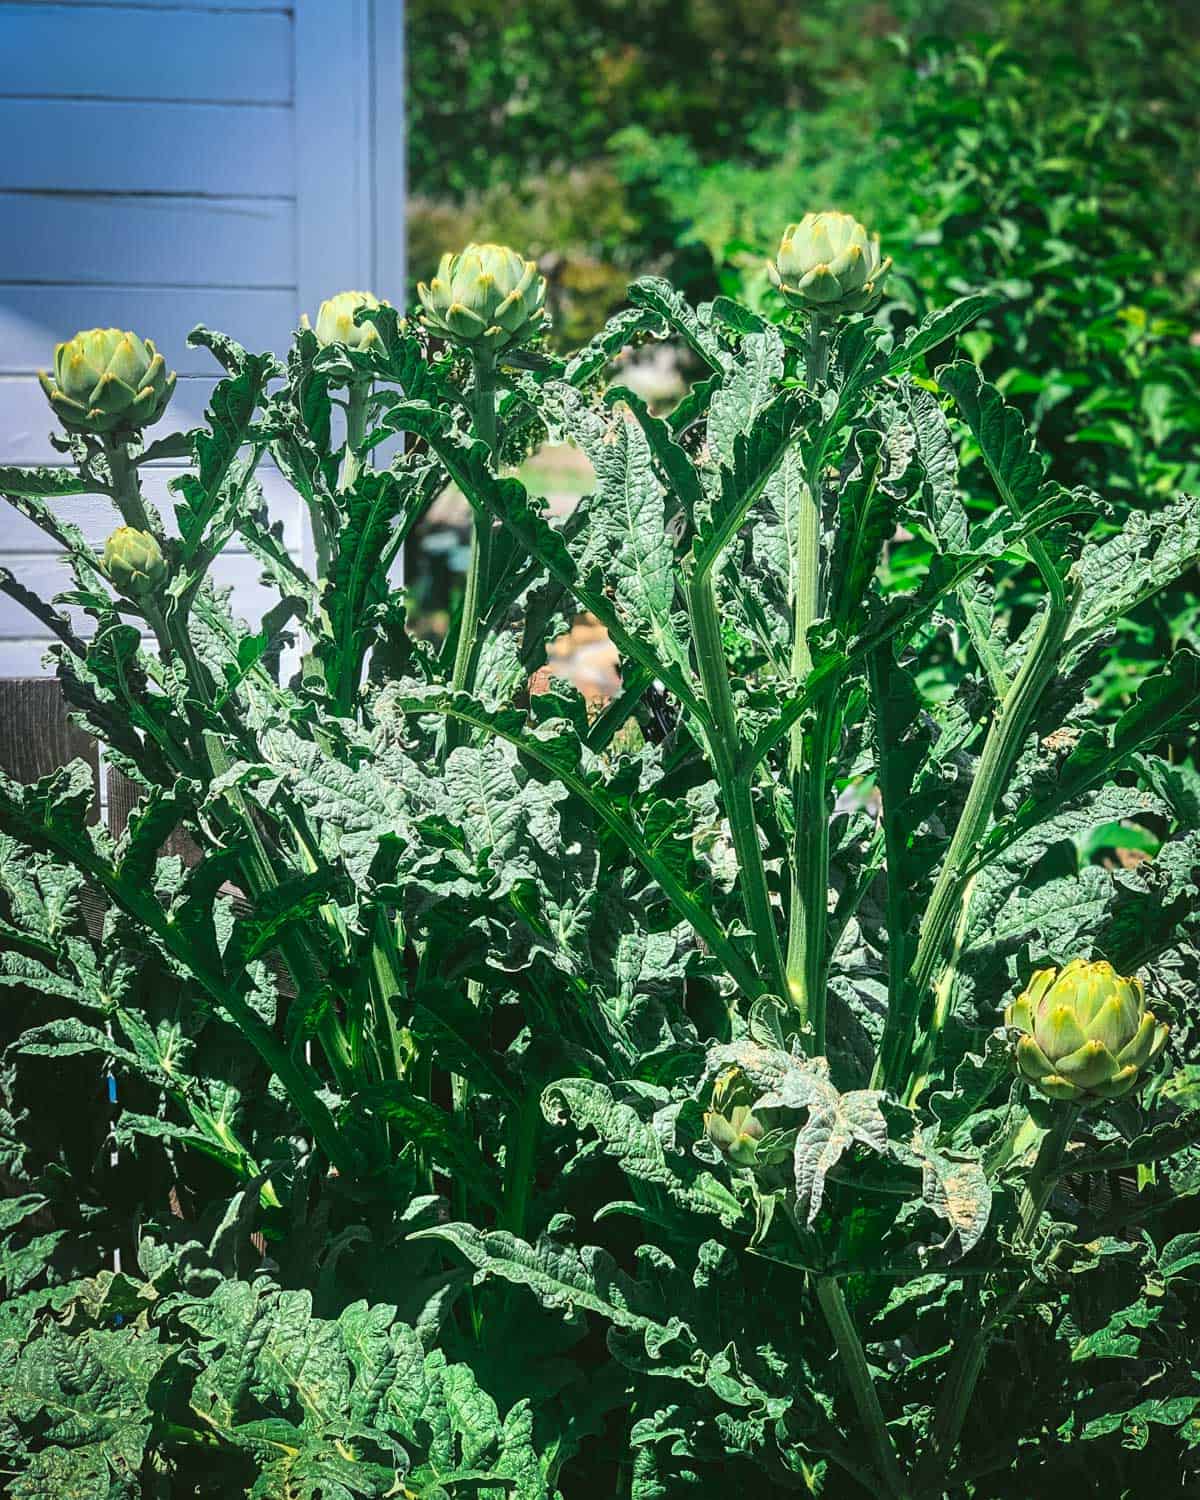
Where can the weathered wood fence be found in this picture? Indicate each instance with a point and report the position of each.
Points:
(37, 737)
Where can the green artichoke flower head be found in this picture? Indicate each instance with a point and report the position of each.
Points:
(133, 562)
(731, 1124)
(735, 1134)
(1086, 1032)
(487, 297)
(107, 381)
(829, 263)
(336, 325)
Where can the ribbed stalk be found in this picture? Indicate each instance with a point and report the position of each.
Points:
(126, 490)
(943, 994)
(809, 753)
(808, 921)
(475, 593)
(358, 396)
(862, 1387)
(1000, 750)
(350, 659)
(1040, 1183)
(466, 662)
(520, 1154)
(971, 1347)
(734, 784)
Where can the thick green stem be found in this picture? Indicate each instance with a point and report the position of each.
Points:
(809, 752)
(1000, 750)
(816, 363)
(734, 784)
(358, 397)
(354, 460)
(388, 986)
(126, 490)
(475, 593)
(1040, 1183)
(466, 661)
(943, 995)
(519, 1156)
(971, 1347)
(384, 983)
(808, 919)
(862, 1386)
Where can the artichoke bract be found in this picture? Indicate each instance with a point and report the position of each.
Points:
(487, 297)
(1086, 1031)
(732, 1126)
(336, 325)
(829, 263)
(133, 562)
(108, 381)
(735, 1135)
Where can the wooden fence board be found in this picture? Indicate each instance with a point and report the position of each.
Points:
(123, 797)
(36, 737)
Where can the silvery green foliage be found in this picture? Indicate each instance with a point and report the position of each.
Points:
(408, 1166)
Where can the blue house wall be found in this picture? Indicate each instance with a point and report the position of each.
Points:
(164, 164)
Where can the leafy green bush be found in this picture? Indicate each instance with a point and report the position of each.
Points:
(1046, 185)
(1048, 150)
(517, 1100)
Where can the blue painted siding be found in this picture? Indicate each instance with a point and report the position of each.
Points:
(169, 162)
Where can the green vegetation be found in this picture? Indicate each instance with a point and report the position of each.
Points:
(517, 1099)
(781, 1076)
(1047, 152)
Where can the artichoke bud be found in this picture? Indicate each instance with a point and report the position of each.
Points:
(731, 1124)
(133, 562)
(829, 263)
(106, 380)
(1085, 1031)
(336, 325)
(487, 298)
(735, 1135)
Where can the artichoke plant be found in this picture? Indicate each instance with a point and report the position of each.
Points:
(487, 298)
(829, 263)
(336, 325)
(1086, 1032)
(108, 381)
(133, 562)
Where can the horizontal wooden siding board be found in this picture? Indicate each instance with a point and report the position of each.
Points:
(272, 6)
(230, 56)
(27, 420)
(34, 319)
(102, 240)
(48, 575)
(86, 146)
(96, 516)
